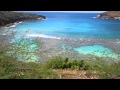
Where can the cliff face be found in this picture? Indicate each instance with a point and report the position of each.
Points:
(7, 17)
(110, 15)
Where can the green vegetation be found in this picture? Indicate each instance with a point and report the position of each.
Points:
(107, 70)
(15, 62)
(11, 69)
(7, 17)
(58, 62)
(16, 56)
(104, 69)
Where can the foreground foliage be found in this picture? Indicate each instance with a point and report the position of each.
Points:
(102, 68)
(15, 57)
(58, 62)
(16, 60)
(11, 69)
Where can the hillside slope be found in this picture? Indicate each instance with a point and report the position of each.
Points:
(110, 15)
(7, 17)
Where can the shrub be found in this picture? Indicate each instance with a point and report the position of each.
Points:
(58, 62)
(66, 60)
(55, 62)
(84, 65)
(11, 61)
(106, 70)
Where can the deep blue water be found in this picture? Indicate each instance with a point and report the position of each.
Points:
(81, 25)
(78, 25)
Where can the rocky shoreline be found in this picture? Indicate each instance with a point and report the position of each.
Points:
(8, 18)
(109, 15)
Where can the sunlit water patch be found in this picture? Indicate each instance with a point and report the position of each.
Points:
(70, 25)
(98, 50)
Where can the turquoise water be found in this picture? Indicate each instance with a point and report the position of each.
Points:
(72, 25)
(79, 25)
(26, 49)
(97, 50)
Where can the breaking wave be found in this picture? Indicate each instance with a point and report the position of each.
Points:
(42, 35)
(15, 24)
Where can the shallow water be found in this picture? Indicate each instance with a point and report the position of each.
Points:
(98, 50)
(71, 25)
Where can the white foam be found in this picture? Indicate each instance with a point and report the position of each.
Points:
(94, 17)
(15, 24)
(4, 34)
(42, 35)
(42, 18)
(118, 42)
(20, 22)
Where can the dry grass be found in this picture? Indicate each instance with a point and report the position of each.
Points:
(74, 74)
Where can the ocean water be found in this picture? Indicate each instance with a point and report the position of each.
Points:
(80, 25)
(97, 50)
(72, 25)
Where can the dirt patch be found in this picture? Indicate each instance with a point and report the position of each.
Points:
(74, 74)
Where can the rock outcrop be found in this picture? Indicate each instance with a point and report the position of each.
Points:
(110, 15)
(8, 17)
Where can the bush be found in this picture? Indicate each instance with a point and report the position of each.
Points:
(58, 62)
(55, 62)
(13, 54)
(66, 60)
(11, 61)
(107, 70)
(13, 69)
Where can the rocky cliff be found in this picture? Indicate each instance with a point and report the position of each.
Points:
(110, 15)
(7, 17)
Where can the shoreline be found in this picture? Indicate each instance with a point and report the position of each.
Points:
(114, 15)
(10, 24)
(7, 25)
(9, 17)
